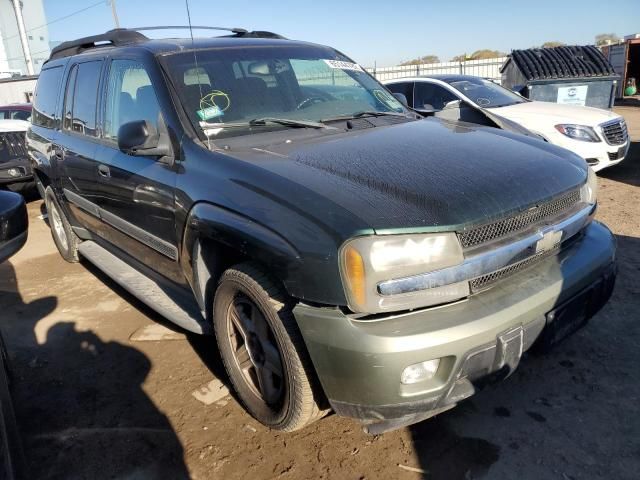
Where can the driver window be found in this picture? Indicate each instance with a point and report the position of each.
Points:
(130, 97)
(429, 95)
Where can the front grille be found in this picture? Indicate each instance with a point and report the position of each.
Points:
(521, 221)
(12, 146)
(481, 283)
(615, 133)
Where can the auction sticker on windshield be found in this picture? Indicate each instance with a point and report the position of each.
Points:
(339, 64)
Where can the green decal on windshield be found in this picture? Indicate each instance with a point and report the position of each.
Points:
(213, 105)
(209, 113)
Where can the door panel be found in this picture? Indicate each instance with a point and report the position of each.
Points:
(136, 193)
(76, 160)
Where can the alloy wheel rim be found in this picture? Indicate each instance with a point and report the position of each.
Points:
(58, 227)
(255, 351)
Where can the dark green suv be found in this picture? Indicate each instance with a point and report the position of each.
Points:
(345, 254)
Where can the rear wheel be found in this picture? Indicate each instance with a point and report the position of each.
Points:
(63, 236)
(263, 351)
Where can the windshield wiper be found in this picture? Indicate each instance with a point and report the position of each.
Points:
(288, 122)
(365, 113)
(260, 122)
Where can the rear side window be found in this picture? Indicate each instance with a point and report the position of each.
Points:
(81, 97)
(21, 115)
(130, 97)
(44, 104)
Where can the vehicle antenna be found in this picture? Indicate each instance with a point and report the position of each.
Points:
(195, 60)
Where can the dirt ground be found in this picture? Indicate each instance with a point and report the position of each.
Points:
(97, 397)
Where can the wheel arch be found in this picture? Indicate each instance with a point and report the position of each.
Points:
(216, 238)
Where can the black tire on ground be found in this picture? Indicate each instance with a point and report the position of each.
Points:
(63, 236)
(300, 399)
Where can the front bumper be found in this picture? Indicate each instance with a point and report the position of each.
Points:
(598, 155)
(22, 166)
(359, 363)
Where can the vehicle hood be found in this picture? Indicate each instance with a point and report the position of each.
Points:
(554, 113)
(426, 175)
(13, 126)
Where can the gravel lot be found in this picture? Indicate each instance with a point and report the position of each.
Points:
(102, 389)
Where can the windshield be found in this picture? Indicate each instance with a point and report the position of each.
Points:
(486, 93)
(231, 87)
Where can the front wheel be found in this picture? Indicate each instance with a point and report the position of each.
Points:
(263, 351)
(63, 236)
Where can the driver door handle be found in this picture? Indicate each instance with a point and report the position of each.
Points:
(104, 171)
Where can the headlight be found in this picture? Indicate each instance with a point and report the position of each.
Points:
(578, 132)
(365, 262)
(589, 191)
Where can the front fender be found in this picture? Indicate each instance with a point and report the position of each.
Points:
(305, 275)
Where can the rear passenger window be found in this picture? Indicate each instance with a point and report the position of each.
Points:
(130, 96)
(44, 104)
(81, 106)
(67, 115)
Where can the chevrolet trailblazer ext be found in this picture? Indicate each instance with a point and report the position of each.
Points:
(344, 254)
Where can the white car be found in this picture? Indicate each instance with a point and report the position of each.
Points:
(15, 169)
(598, 136)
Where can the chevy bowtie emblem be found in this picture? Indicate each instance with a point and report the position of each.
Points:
(548, 241)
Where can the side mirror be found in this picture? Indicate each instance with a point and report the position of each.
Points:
(453, 104)
(141, 138)
(401, 97)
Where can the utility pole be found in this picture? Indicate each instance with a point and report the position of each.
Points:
(115, 13)
(23, 37)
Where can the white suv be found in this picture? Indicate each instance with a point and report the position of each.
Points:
(598, 136)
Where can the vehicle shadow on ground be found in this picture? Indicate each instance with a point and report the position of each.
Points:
(628, 171)
(79, 401)
(203, 345)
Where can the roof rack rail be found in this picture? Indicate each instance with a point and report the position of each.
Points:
(194, 27)
(126, 36)
(238, 32)
(261, 34)
(115, 37)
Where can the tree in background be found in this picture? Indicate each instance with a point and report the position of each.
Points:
(421, 60)
(478, 55)
(553, 44)
(606, 38)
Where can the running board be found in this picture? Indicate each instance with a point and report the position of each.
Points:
(181, 311)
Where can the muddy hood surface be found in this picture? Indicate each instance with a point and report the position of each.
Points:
(426, 175)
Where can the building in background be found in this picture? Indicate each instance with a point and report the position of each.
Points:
(12, 58)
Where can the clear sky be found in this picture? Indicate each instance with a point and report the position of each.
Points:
(372, 31)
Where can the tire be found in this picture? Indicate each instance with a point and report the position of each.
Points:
(63, 236)
(286, 401)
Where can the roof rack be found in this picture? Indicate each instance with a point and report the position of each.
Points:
(115, 37)
(235, 30)
(126, 36)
